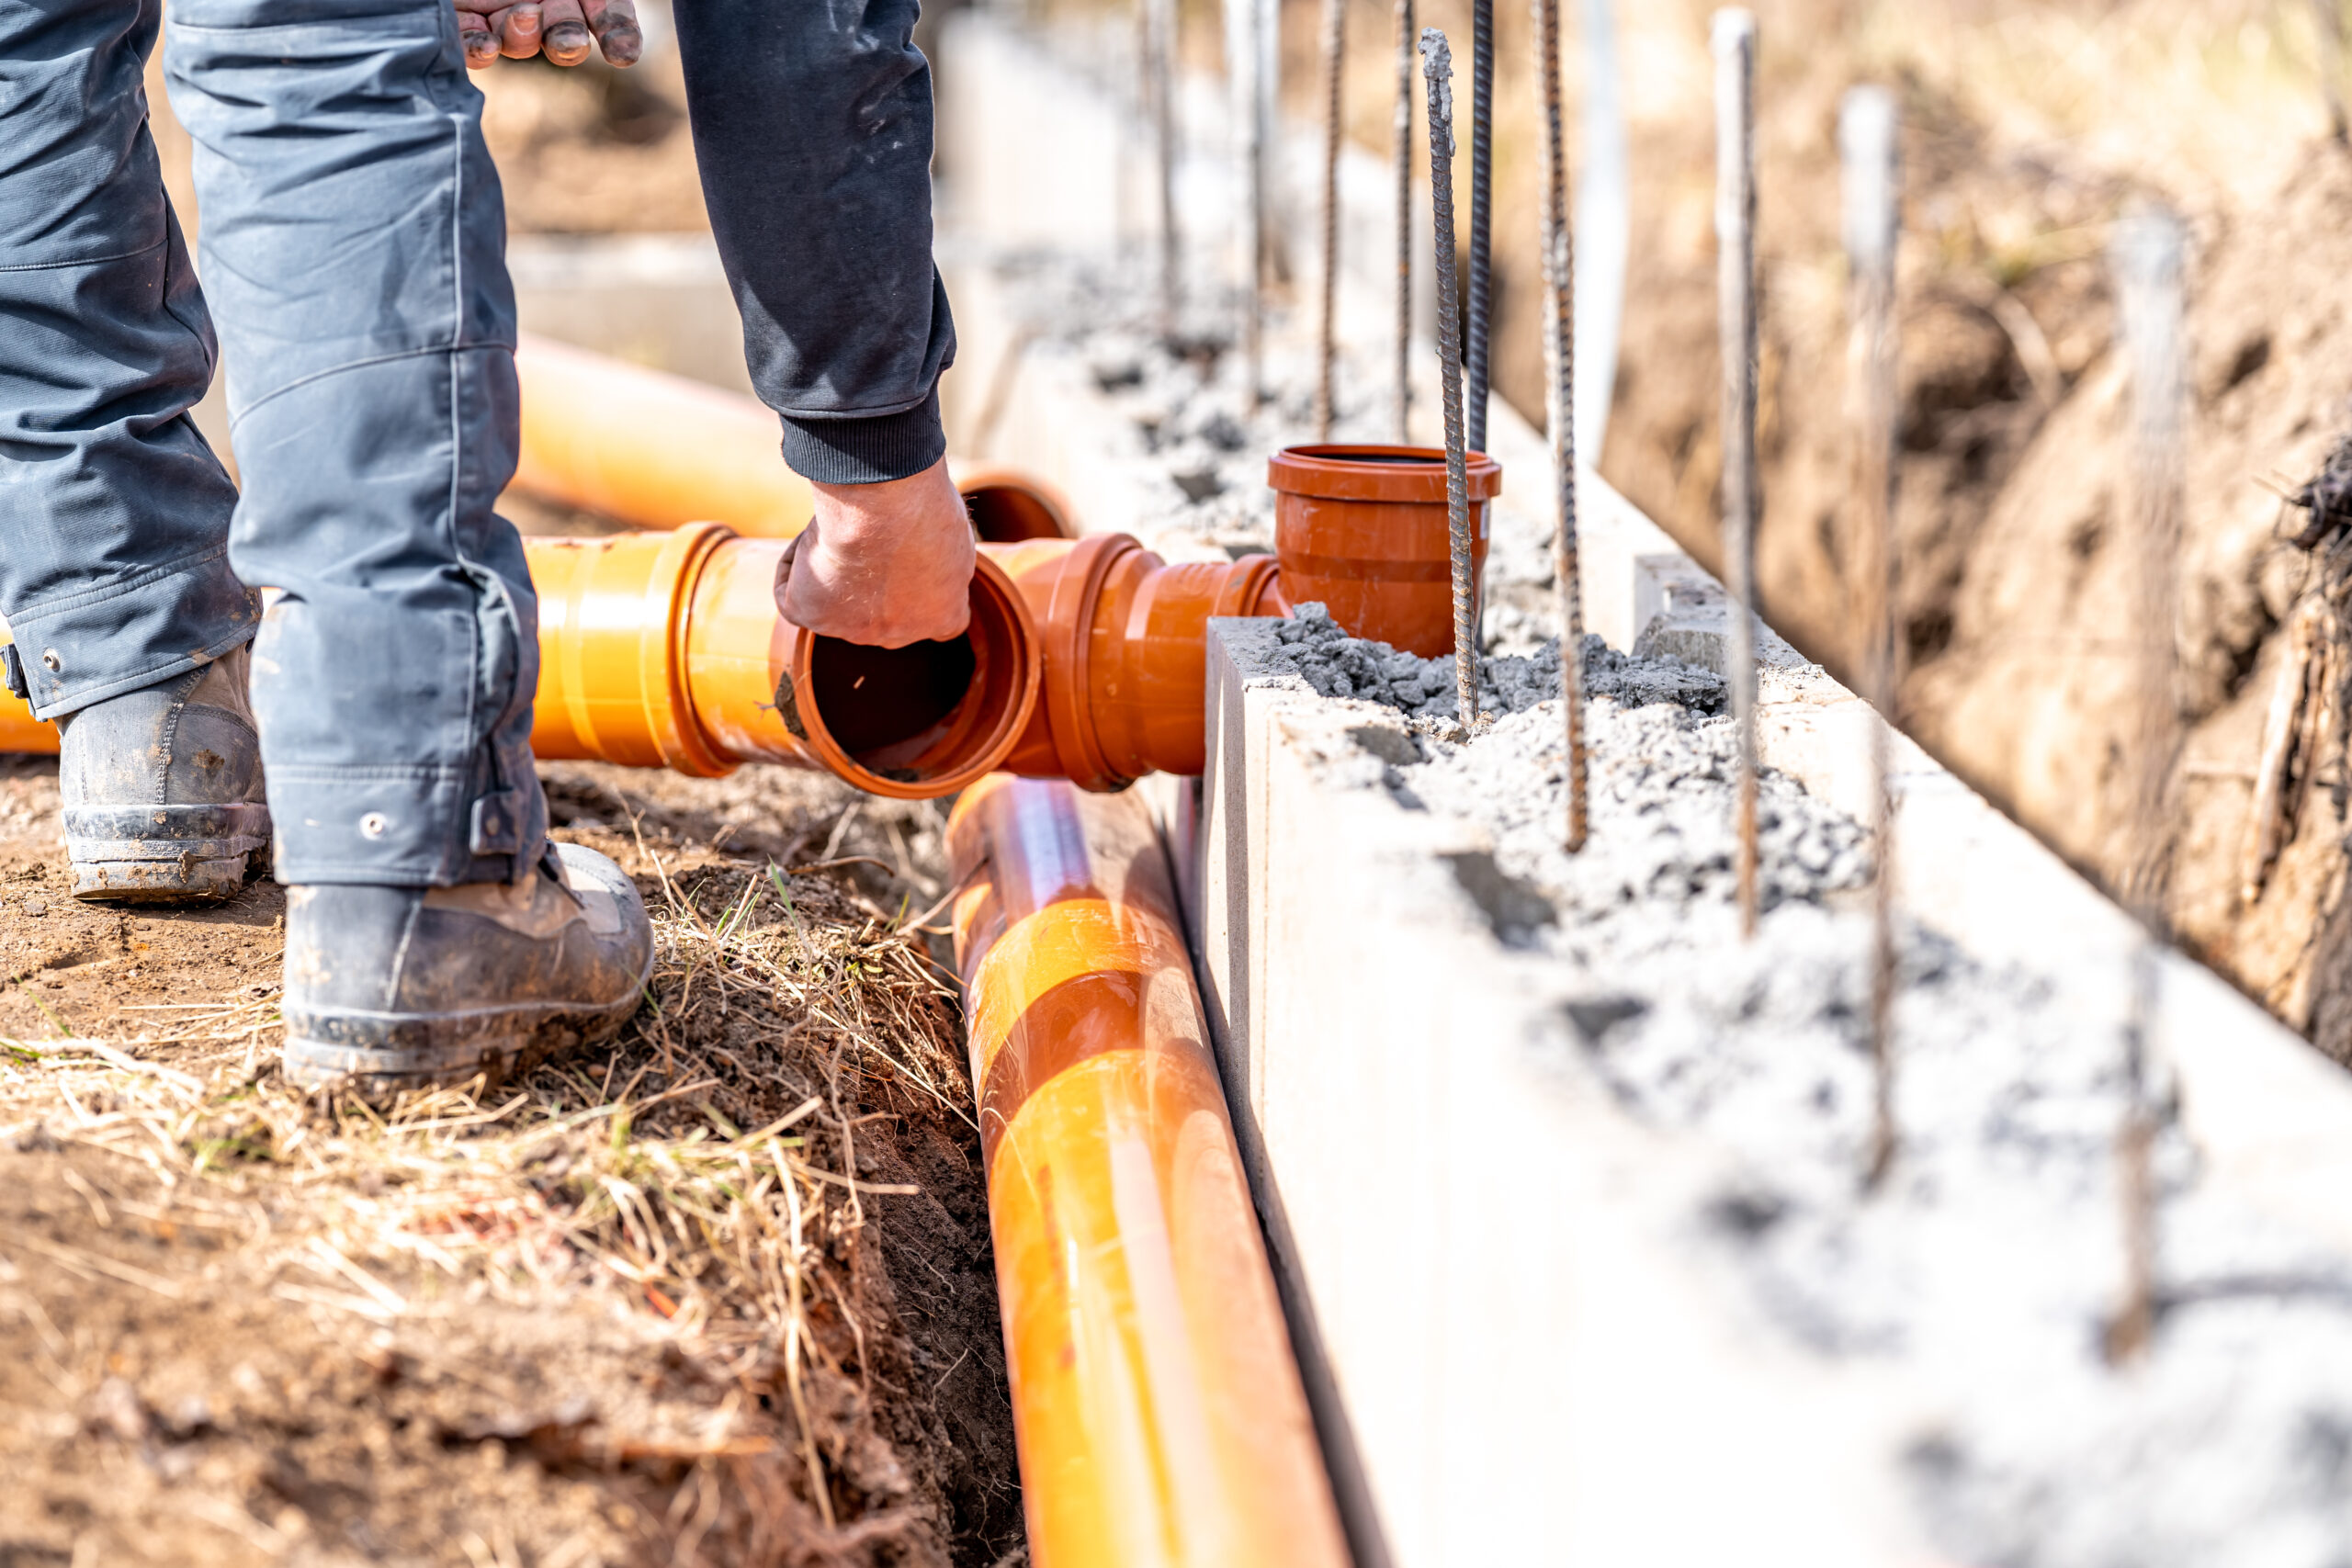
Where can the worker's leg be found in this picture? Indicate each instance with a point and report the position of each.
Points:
(354, 253)
(825, 109)
(353, 246)
(113, 515)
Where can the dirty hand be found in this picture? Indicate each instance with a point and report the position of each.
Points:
(557, 28)
(885, 564)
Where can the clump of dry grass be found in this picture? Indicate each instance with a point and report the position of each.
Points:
(707, 1168)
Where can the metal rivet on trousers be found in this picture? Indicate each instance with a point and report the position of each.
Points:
(50, 661)
(375, 825)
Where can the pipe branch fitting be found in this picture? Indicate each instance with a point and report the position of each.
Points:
(1125, 653)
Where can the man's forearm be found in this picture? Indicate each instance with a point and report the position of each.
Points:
(812, 126)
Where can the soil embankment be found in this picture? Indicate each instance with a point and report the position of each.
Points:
(2018, 151)
(631, 1309)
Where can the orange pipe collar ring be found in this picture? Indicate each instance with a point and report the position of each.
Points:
(1156, 1400)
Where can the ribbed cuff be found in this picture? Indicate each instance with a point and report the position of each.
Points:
(866, 451)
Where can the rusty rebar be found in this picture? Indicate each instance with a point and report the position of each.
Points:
(1158, 20)
(1866, 143)
(1245, 64)
(1402, 127)
(1335, 46)
(1560, 408)
(1474, 372)
(2147, 256)
(1437, 68)
(1734, 41)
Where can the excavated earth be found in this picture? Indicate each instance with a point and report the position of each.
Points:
(574, 1321)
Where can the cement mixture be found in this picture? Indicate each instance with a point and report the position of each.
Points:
(1986, 1266)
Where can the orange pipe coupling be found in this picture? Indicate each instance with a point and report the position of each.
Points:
(667, 650)
(1125, 653)
(1156, 1401)
(656, 450)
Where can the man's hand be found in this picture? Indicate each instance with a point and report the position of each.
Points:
(559, 29)
(885, 564)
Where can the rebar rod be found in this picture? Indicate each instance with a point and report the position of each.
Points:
(1437, 67)
(1866, 143)
(1734, 40)
(1335, 45)
(1160, 86)
(1245, 61)
(2147, 256)
(1402, 127)
(1559, 410)
(1482, 221)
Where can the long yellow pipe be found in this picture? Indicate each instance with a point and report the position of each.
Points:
(1157, 1404)
(649, 448)
(655, 450)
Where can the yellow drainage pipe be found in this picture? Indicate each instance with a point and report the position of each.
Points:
(656, 450)
(666, 651)
(649, 448)
(1155, 1401)
(20, 730)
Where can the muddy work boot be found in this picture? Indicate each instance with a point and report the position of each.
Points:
(390, 988)
(162, 789)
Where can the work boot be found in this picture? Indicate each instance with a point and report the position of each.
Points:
(390, 988)
(162, 789)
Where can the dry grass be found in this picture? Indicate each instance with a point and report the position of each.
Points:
(708, 1168)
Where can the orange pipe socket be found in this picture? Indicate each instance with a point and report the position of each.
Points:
(655, 450)
(1363, 529)
(1126, 654)
(666, 651)
(1156, 1403)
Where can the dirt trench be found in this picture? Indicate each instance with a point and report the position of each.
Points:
(628, 1310)
(2013, 610)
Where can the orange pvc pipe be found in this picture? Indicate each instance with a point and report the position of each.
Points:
(1155, 1401)
(656, 450)
(667, 650)
(649, 448)
(1125, 655)
(1364, 531)
(20, 730)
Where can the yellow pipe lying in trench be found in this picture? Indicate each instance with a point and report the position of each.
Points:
(650, 448)
(655, 450)
(1155, 1401)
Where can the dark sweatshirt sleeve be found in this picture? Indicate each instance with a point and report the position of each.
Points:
(812, 126)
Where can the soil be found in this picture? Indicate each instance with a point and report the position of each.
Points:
(2024, 136)
(256, 1327)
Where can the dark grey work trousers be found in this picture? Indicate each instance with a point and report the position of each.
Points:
(353, 258)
